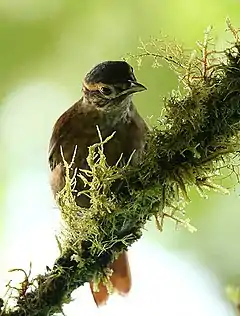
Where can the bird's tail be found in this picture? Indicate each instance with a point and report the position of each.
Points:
(120, 279)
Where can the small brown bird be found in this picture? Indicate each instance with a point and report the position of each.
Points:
(106, 103)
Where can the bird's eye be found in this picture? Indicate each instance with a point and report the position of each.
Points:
(105, 90)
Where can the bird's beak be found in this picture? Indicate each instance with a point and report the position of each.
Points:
(135, 87)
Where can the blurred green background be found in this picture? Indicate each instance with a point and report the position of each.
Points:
(46, 47)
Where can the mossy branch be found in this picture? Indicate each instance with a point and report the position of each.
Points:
(198, 135)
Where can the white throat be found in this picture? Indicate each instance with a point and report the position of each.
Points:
(122, 112)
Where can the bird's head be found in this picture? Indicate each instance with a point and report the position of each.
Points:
(110, 84)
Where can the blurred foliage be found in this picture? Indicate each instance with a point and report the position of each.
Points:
(36, 32)
(233, 293)
(59, 40)
(197, 137)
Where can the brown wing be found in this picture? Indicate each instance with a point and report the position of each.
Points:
(61, 128)
(75, 128)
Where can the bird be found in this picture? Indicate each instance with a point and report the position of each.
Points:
(106, 102)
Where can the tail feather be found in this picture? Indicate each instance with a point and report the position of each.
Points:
(101, 296)
(120, 279)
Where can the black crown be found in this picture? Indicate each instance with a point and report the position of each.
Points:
(110, 72)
